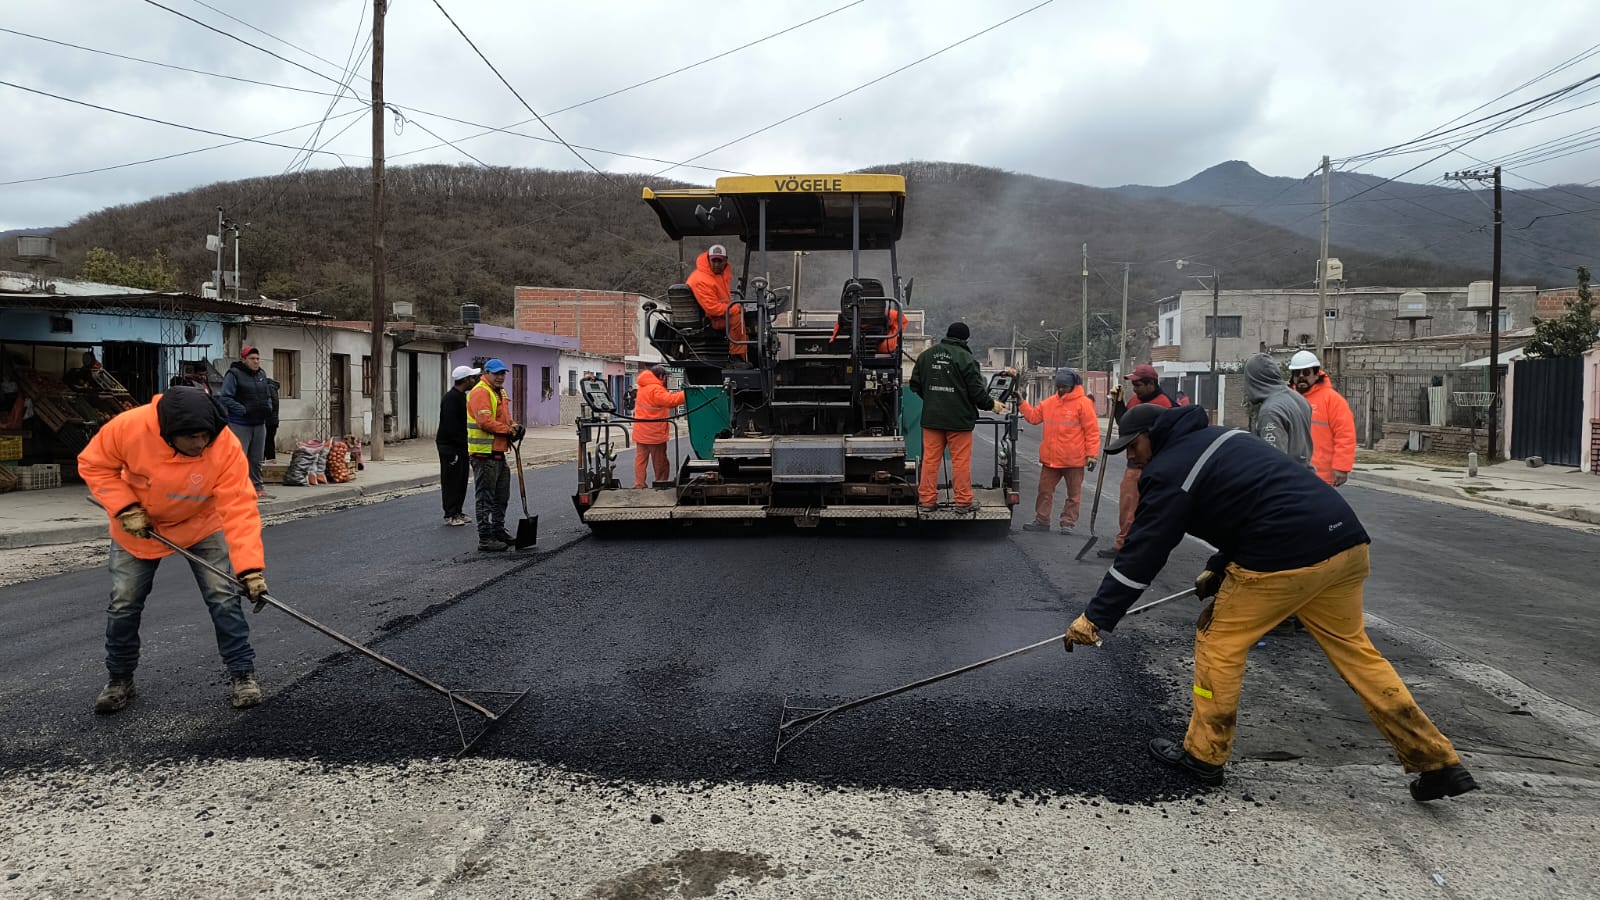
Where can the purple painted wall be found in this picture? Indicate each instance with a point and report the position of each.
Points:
(538, 355)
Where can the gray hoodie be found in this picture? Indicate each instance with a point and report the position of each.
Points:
(1283, 417)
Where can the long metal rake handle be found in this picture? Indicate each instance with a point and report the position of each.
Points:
(348, 642)
(813, 715)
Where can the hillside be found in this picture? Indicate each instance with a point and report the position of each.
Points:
(999, 249)
(1547, 231)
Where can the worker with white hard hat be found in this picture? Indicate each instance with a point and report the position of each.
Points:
(452, 444)
(1333, 427)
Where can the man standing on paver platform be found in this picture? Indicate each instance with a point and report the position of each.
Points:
(952, 389)
(173, 467)
(1286, 544)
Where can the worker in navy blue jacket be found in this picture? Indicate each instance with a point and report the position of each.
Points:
(1287, 543)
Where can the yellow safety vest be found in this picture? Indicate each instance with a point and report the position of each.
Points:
(480, 442)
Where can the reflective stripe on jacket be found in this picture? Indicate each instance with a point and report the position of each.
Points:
(188, 498)
(652, 408)
(488, 421)
(1333, 431)
(1071, 435)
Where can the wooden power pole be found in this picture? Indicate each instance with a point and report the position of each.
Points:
(1322, 274)
(378, 381)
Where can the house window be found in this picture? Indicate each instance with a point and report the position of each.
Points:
(1166, 332)
(1229, 327)
(547, 384)
(366, 376)
(572, 382)
(286, 371)
(1330, 314)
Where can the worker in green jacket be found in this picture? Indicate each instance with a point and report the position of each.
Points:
(952, 389)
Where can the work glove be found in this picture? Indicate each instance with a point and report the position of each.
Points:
(1091, 464)
(1339, 478)
(1116, 392)
(255, 587)
(1081, 631)
(517, 431)
(135, 521)
(999, 408)
(1207, 583)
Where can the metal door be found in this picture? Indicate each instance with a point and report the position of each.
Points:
(1547, 410)
(339, 394)
(429, 393)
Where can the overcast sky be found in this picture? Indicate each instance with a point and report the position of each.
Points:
(1097, 93)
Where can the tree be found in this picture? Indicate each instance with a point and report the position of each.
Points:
(1573, 333)
(106, 267)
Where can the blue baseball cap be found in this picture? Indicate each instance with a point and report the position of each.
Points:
(495, 367)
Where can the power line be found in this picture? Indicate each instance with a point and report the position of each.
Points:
(233, 37)
(514, 93)
(857, 88)
(227, 15)
(232, 137)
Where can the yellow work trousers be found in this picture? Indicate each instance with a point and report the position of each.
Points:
(1327, 599)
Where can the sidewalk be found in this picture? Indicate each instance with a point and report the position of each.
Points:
(64, 515)
(1559, 491)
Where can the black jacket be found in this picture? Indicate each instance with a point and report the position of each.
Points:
(246, 396)
(453, 421)
(1234, 491)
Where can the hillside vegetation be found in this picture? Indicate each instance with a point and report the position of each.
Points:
(995, 248)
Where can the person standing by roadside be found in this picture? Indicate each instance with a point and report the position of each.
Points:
(173, 466)
(651, 412)
(1333, 428)
(270, 449)
(248, 400)
(1067, 448)
(947, 378)
(1286, 544)
(1146, 383)
(490, 433)
(1281, 417)
(451, 442)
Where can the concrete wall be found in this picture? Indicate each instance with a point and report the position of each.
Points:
(1272, 319)
(1387, 383)
(306, 416)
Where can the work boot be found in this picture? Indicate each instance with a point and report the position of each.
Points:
(1172, 753)
(1037, 527)
(927, 507)
(1106, 553)
(1449, 781)
(490, 545)
(1066, 529)
(967, 509)
(507, 537)
(115, 695)
(246, 692)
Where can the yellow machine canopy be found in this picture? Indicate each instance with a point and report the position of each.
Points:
(802, 212)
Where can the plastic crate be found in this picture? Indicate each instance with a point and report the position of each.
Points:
(39, 477)
(10, 446)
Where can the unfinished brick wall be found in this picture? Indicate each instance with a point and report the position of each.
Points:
(1444, 439)
(1594, 447)
(604, 322)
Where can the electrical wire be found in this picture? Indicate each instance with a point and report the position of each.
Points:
(233, 37)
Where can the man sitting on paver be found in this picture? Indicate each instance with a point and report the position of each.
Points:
(173, 467)
(1286, 544)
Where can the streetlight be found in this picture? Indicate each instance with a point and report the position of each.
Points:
(1216, 322)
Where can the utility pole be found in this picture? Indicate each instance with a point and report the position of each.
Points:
(1122, 355)
(235, 262)
(216, 274)
(1012, 359)
(1322, 273)
(1084, 335)
(1216, 320)
(378, 382)
(1494, 302)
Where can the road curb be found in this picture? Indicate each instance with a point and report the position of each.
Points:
(1571, 513)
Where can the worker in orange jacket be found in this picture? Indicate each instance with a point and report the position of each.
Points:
(1146, 383)
(1333, 428)
(173, 467)
(651, 413)
(1067, 448)
(712, 283)
(890, 342)
(490, 433)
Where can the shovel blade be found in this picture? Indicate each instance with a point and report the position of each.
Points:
(1087, 545)
(527, 532)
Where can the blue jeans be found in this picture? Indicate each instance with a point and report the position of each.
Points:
(131, 578)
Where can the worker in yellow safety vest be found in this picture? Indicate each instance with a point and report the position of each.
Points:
(490, 433)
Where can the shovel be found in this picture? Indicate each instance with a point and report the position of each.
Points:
(527, 526)
(1099, 485)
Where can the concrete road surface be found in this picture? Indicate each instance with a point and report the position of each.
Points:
(640, 763)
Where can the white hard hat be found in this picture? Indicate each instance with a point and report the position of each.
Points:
(461, 372)
(1304, 359)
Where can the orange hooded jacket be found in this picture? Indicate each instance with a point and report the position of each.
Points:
(888, 344)
(1333, 431)
(188, 498)
(1071, 429)
(714, 293)
(651, 409)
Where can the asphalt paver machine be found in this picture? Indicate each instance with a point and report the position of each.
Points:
(812, 423)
